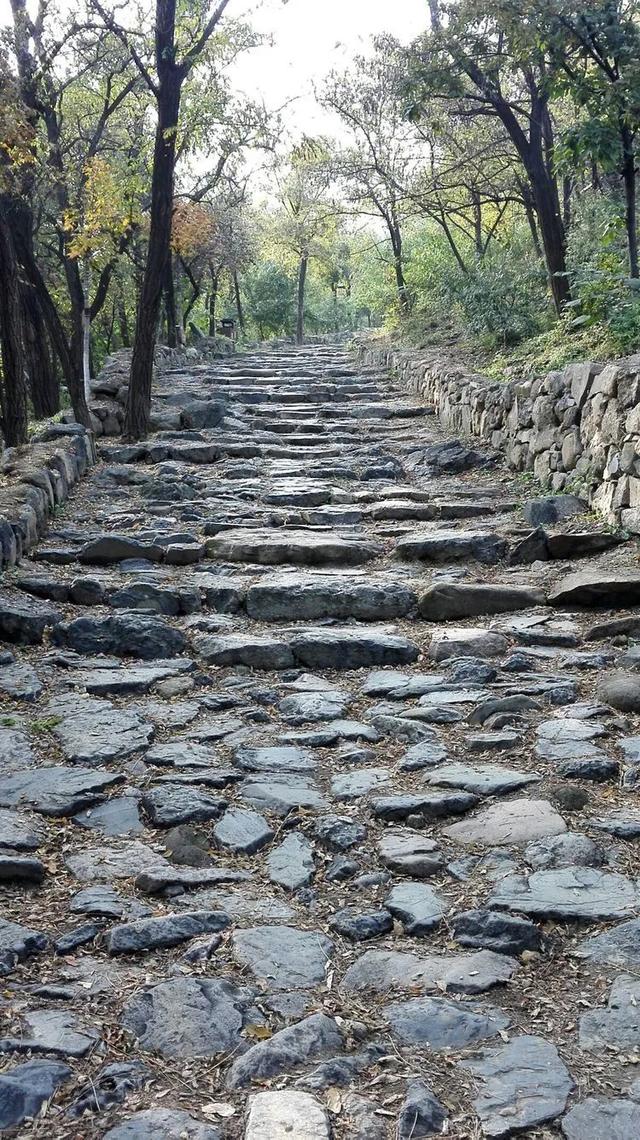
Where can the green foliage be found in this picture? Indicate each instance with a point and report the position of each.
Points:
(269, 299)
(604, 296)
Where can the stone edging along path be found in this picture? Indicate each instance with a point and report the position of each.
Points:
(577, 429)
(35, 481)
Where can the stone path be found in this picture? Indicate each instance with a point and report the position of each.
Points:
(319, 750)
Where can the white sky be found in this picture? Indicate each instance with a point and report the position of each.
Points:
(310, 37)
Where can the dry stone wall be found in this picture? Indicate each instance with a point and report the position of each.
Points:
(576, 430)
(35, 480)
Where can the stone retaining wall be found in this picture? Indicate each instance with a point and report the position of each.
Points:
(35, 480)
(576, 430)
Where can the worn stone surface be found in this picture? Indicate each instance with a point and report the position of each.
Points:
(303, 781)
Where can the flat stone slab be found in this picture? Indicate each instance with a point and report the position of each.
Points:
(123, 635)
(188, 1017)
(570, 893)
(510, 822)
(95, 731)
(170, 804)
(281, 1115)
(17, 943)
(433, 805)
(20, 681)
(57, 790)
(281, 795)
(277, 758)
(19, 832)
(291, 864)
(459, 642)
(282, 957)
(51, 1031)
(598, 589)
(410, 853)
(111, 861)
(522, 1085)
(448, 601)
(253, 650)
(453, 546)
(350, 648)
(598, 1117)
(481, 779)
(293, 598)
(380, 970)
(15, 751)
(315, 1036)
(416, 906)
(132, 679)
(619, 946)
(309, 708)
(242, 831)
(618, 1025)
(25, 1088)
(441, 1024)
(166, 931)
(165, 1123)
(295, 548)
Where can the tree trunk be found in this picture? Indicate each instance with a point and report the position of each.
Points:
(396, 245)
(44, 388)
(238, 301)
(22, 229)
(123, 325)
(213, 297)
(630, 214)
(302, 278)
(170, 307)
(14, 390)
(136, 423)
(553, 236)
(86, 330)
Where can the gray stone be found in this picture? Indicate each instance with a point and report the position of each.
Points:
(113, 861)
(453, 546)
(95, 731)
(441, 1024)
(164, 878)
(106, 902)
(434, 805)
(359, 925)
(447, 601)
(132, 679)
(118, 816)
(23, 621)
(354, 785)
(417, 907)
(254, 650)
(381, 970)
(453, 642)
(293, 598)
(593, 589)
(305, 708)
(550, 510)
(508, 822)
(57, 790)
(21, 869)
(491, 930)
(523, 1085)
(621, 691)
(162, 1124)
(188, 1017)
(598, 1117)
(20, 681)
(421, 1113)
(617, 1026)
(283, 957)
(124, 635)
(169, 804)
(17, 943)
(481, 779)
(619, 946)
(115, 547)
(15, 751)
(410, 853)
(281, 795)
(569, 850)
(315, 1036)
(350, 648)
(339, 833)
(570, 894)
(291, 864)
(275, 759)
(165, 931)
(242, 831)
(18, 832)
(297, 548)
(51, 1031)
(425, 754)
(24, 1089)
(283, 1114)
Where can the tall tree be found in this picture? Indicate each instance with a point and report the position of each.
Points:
(488, 59)
(172, 64)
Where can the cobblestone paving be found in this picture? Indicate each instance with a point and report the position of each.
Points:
(318, 812)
